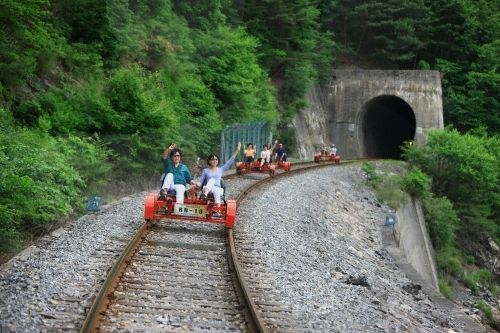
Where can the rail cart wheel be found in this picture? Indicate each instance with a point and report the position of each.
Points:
(149, 206)
(230, 214)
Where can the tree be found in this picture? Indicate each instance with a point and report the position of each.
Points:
(294, 50)
(106, 25)
(463, 44)
(27, 41)
(229, 67)
(465, 169)
(388, 31)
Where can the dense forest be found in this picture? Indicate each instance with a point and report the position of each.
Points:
(92, 91)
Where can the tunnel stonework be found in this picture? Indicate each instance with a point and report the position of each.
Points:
(369, 113)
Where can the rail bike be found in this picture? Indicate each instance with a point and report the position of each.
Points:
(194, 208)
(323, 156)
(284, 165)
(247, 167)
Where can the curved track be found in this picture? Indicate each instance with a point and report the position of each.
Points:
(188, 276)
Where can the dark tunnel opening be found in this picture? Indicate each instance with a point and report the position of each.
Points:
(388, 121)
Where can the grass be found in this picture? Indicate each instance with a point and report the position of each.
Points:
(445, 288)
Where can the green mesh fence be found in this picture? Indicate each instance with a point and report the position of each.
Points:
(258, 133)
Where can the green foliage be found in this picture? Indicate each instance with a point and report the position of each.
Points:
(483, 276)
(463, 44)
(28, 43)
(417, 184)
(450, 264)
(371, 173)
(388, 31)
(447, 22)
(470, 283)
(287, 137)
(465, 169)
(37, 182)
(90, 158)
(387, 186)
(228, 65)
(488, 313)
(205, 15)
(105, 25)
(442, 221)
(445, 288)
(389, 191)
(298, 78)
(469, 259)
(294, 49)
(166, 43)
(198, 109)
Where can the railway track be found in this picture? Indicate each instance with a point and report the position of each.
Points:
(188, 276)
(279, 282)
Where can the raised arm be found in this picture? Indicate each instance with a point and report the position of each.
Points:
(236, 151)
(274, 145)
(167, 151)
(230, 161)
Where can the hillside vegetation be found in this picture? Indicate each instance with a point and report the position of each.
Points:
(92, 91)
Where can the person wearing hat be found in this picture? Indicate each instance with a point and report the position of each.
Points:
(333, 150)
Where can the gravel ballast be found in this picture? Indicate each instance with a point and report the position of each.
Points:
(319, 234)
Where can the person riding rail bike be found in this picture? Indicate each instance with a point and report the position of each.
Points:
(176, 174)
(211, 177)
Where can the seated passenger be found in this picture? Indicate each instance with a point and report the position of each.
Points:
(263, 155)
(211, 177)
(266, 153)
(280, 153)
(333, 150)
(177, 175)
(249, 153)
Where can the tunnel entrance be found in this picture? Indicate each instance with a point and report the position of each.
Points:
(387, 122)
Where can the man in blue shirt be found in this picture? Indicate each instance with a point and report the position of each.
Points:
(280, 153)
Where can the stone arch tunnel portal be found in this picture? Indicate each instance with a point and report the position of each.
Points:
(387, 122)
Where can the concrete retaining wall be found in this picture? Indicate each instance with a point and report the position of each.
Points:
(413, 239)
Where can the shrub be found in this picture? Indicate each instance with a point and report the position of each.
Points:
(441, 220)
(229, 67)
(470, 259)
(469, 282)
(387, 187)
(90, 157)
(389, 191)
(371, 174)
(417, 184)
(445, 288)
(488, 313)
(451, 265)
(483, 276)
(465, 169)
(37, 182)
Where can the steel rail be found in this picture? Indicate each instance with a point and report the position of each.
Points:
(105, 293)
(103, 297)
(258, 321)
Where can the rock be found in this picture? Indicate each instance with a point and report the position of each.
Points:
(360, 280)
